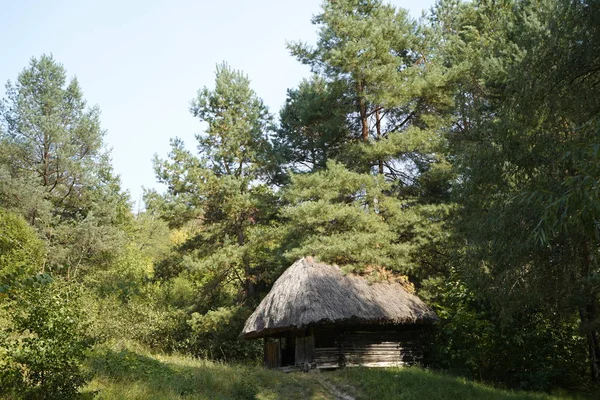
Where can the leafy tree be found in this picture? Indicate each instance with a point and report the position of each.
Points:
(522, 121)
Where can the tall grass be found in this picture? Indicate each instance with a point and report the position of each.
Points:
(133, 373)
(136, 374)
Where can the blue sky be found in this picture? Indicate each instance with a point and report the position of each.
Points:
(142, 62)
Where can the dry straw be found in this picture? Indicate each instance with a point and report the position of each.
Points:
(309, 293)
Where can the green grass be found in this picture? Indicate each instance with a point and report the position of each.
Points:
(418, 383)
(130, 373)
(136, 374)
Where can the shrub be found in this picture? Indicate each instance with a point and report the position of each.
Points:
(43, 345)
(532, 351)
(21, 251)
(215, 335)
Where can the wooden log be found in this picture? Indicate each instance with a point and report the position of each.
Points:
(368, 346)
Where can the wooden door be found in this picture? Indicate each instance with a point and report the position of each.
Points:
(305, 350)
(272, 354)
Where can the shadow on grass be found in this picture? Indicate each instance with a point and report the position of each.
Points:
(417, 383)
(127, 374)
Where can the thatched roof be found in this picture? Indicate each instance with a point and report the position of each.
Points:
(310, 293)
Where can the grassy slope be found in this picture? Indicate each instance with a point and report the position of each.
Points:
(135, 374)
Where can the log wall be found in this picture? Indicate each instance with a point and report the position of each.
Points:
(369, 348)
(346, 346)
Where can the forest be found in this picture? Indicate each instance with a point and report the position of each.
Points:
(459, 153)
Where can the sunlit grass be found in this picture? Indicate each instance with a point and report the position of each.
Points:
(128, 374)
(133, 373)
(418, 383)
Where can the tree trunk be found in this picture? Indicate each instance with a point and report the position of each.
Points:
(592, 343)
(588, 316)
(378, 127)
(362, 108)
(249, 283)
(46, 163)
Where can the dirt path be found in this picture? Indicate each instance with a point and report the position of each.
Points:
(337, 392)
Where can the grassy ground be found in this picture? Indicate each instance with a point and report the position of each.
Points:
(136, 374)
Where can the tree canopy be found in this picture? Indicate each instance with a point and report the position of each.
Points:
(458, 154)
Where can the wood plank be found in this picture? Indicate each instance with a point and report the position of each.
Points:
(305, 350)
(369, 346)
(273, 354)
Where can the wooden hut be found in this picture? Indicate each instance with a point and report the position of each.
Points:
(315, 316)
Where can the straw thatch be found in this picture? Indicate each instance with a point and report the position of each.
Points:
(310, 293)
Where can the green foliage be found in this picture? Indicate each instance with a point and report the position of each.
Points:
(313, 126)
(463, 340)
(147, 319)
(52, 140)
(364, 42)
(534, 352)
(49, 130)
(215, 335)
(151, 236)
(527, 226)
(221, 199)
(341, 216)
(21, 252)
(235, 141)
(388, 71)
(55, 171)
(351, 219)
(124, 277)
(43, 346)
(223, 186)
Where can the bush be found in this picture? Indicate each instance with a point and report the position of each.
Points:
(43, 345)
(215, 335)
(146, 318)
(532, 351)
(21, 251)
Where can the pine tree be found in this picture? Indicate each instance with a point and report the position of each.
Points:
(382, 59)
(224, 186)
(55, 171)
(49, 132)
(350, 219)
(389, 148)
(313, 125)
